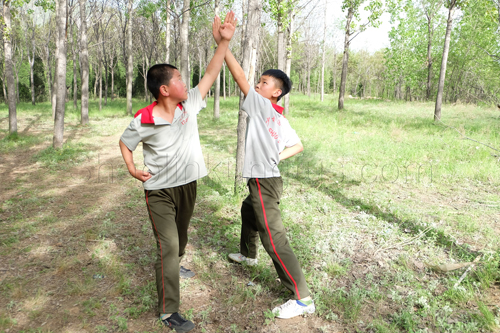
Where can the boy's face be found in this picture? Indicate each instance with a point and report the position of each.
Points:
(267, 87)
(176, 88)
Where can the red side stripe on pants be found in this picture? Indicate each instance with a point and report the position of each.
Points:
(161, 253)
(272, 243)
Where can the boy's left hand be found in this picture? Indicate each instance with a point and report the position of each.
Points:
(227, 29)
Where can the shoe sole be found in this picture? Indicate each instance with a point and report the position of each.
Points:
(306, 311)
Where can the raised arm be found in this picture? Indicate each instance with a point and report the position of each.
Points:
(213, 68)
(232, 63)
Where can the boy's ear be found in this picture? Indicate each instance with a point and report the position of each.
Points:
(164, 91)
(277, 93)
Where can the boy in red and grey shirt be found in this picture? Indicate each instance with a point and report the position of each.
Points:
(168, 131)
(269, 139)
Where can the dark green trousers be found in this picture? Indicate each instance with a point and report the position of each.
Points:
(261, 217)
(170, 211)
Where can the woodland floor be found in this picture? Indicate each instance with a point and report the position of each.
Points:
(77, 250)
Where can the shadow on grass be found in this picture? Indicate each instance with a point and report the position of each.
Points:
(321, 179)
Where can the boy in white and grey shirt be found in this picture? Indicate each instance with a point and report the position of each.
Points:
(269, 139)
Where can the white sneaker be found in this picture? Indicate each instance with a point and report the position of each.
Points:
(293, 308)
(238, 257)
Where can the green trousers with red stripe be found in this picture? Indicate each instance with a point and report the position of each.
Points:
(261, 217)
(170, 211)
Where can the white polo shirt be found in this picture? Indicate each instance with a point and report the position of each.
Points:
(172, 151)
(268, 133)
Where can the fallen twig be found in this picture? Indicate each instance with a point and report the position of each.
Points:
(407, 242)
(467, 271)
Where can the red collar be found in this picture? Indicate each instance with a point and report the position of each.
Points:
(278, 108)
(147, 113)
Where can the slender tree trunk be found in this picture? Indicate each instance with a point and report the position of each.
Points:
(144, 75)
(217, 80)
(7, 44)
(185, 43)
(249, 58)
(31, 60)
(167, 32)
(224, 80)
(345, 60)
(429, 56)
(96, 81)
(100, 85)
(130, 68)
(5, 97)
(334, 70)
(281, 42)
(442, 73)
(84, 64)
(323, 59)
(75, 83)
(288, 62)
(112, 79)
(61, 10)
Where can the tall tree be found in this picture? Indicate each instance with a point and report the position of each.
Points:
(352, 30)
(184, 35)
(250, 46)
(31, 51)
(130, 68)
(323, 55)
(451, 5)
(7, 45)
(431, 8)
(61, 15)
(167, 31)
(217, 80)
(84, 64)
(288, 56)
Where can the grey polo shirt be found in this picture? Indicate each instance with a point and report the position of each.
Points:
(268, 133)
(172, 151)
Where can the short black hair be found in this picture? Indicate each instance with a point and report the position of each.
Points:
(159, 75)
(283, 81)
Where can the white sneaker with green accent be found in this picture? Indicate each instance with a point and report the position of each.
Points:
(293, 308)
(238, 257)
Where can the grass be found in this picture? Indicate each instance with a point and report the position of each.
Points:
(380, 194)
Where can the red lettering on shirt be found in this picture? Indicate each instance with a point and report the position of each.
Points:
(267, 121)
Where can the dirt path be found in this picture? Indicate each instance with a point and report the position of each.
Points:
(77, 253)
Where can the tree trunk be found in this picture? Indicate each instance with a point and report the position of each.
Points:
(288, 65)
(185, 43)
(167, 32)
(429, 56)
(31, 61)
(224, 80)
(217, 80)
(323, 59)
(345, 60)
(334, 70)
(7, 44)
(100, 85)
(250, 45)
(281, 42)
(61, 10)
(442, 73)
(130, 68)
(75, 83)
(112, 79)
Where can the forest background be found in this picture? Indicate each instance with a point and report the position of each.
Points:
(397, 189)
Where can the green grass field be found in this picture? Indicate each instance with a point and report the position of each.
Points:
(379, 207)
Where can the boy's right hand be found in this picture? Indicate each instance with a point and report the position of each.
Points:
(226, 30)
(140, 175)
